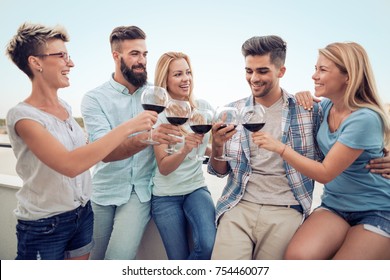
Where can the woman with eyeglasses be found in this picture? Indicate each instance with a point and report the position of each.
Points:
(54, 215)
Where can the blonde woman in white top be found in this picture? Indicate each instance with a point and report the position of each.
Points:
(181, 200)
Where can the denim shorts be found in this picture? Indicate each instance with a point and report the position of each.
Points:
(63, 236)
(375, 221)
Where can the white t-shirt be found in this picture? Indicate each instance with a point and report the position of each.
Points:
(46, 192)
(268, 183)
(188, 177)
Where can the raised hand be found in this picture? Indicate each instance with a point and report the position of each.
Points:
(222, 134)
(166, 134)
(266, 141)
(306, 99)
(143, 121)
(191, 141)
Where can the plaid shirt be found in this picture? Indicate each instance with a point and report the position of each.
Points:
(299, 130)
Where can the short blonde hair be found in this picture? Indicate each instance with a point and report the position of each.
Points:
(31, 39)
(351, 59)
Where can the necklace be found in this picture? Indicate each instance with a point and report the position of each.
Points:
(343, 116)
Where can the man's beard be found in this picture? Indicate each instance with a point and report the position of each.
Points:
(136, 79)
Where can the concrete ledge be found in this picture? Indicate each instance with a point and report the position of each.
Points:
(151, 247)
(10, 181)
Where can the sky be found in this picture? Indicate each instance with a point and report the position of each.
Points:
(210, 32)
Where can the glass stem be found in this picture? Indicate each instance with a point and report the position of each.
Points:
(223, 150)
(197, 152)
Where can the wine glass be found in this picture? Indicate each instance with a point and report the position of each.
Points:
(177, 113)
(228, 116)
(201, 122)
(252, 117)
(154, 98)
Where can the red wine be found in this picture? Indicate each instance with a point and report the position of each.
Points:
(225, 125)
(177, 120)
(201, 128)
(151, 107)
(253, 126)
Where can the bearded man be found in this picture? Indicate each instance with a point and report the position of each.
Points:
(121, 182)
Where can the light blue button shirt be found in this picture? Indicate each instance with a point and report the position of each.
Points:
(104, 108)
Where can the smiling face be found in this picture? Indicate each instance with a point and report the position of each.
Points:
(179, 79)
(329, 81)
(132, 60)
(55, 69)
(263, 77)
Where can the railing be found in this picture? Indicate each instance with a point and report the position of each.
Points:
(4, 145)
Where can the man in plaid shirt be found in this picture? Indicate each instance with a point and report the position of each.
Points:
(265, 200)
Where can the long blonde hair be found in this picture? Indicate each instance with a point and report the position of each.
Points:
(162, 68)
(351, 59)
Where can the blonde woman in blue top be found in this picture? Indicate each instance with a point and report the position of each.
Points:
(353, 221)
(181, 200)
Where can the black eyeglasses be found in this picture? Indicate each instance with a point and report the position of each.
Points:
(63, 55)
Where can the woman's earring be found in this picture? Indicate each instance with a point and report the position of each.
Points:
(40, 70)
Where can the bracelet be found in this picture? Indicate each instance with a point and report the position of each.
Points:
(284, 148)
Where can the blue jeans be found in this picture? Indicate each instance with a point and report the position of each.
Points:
(173, 215)
(118, 230)
(63, 236)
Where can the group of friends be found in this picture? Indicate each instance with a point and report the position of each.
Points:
(265, 209)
